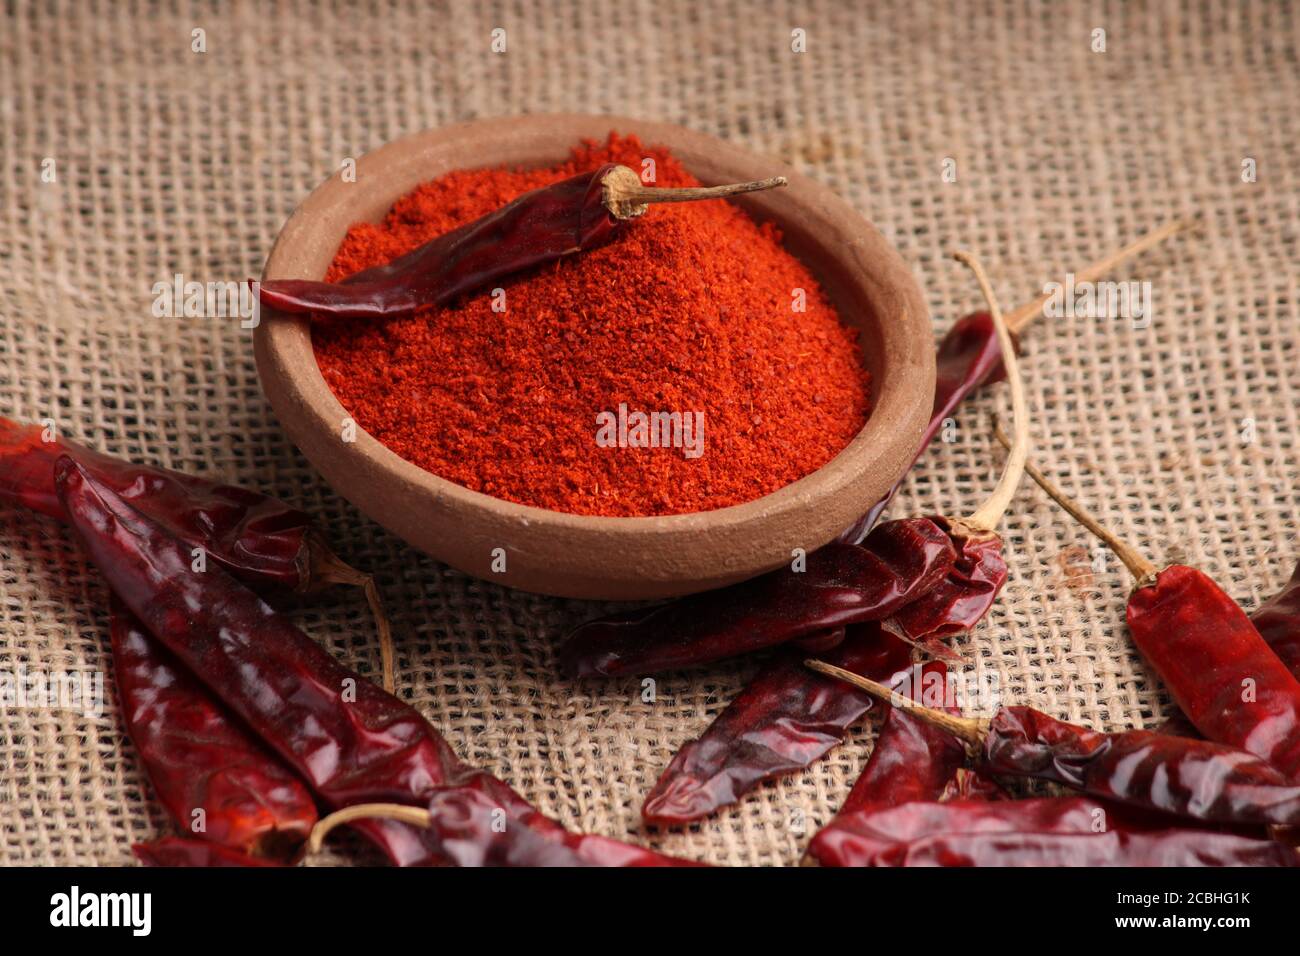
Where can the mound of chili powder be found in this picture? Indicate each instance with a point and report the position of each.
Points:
(688, 310)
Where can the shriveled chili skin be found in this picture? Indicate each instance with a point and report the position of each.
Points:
(1219, 670)
(1160, 848)
(538, 227)
(780, 723)
(1054, 831)
(911, 760)
(958, 602)
(254, 536)
(969, 784)
(967, 358)
(283, 685)
(466, 831)
(1196, 779)
(179, 851)
(863, 833)
(349, 740)
(842, 584)
(198, 758)
(1278, 623)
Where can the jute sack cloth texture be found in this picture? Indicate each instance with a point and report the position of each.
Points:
(1180, 434)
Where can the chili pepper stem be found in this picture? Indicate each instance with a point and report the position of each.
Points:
(626, 197)
(986, 518)
(328, 568)
(969, 730)
(1143, 571)
(1026, 313)
(416, 816)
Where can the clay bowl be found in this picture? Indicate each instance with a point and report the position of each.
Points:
(585, 557)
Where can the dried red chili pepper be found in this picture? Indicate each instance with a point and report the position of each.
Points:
(350, 741)
(1196, 779)
(1056, 831)
(199, 759)
(536, 228)
(842, 584)
(259, 539)
(780, 732)
(910, 760)
(1278, 623)
(1218, 668)
(1164, 848)
(925, 576)
(178, 851)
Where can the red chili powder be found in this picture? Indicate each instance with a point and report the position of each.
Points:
(688, 310)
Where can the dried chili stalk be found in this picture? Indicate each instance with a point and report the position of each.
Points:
(215, 780)
(1057, 831)
(536, 228)
(1220, 671)
(259, 539)
(349, 740)
(1195, 779)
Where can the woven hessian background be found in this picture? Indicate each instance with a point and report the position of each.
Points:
(170, 161)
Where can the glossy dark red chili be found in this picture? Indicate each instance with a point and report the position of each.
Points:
(1059, 831)
(962, 599)
(911, 759)
(776, 726)
(217, 782)
(1224, 676)
(1195, 779)
(1217, 667)
(182, 852)
(259, 539)
(842, 584)
(1278, 623)
(352, 742)
(536, 228)
(465, 825)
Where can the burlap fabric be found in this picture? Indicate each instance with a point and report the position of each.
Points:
(1182, 435)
